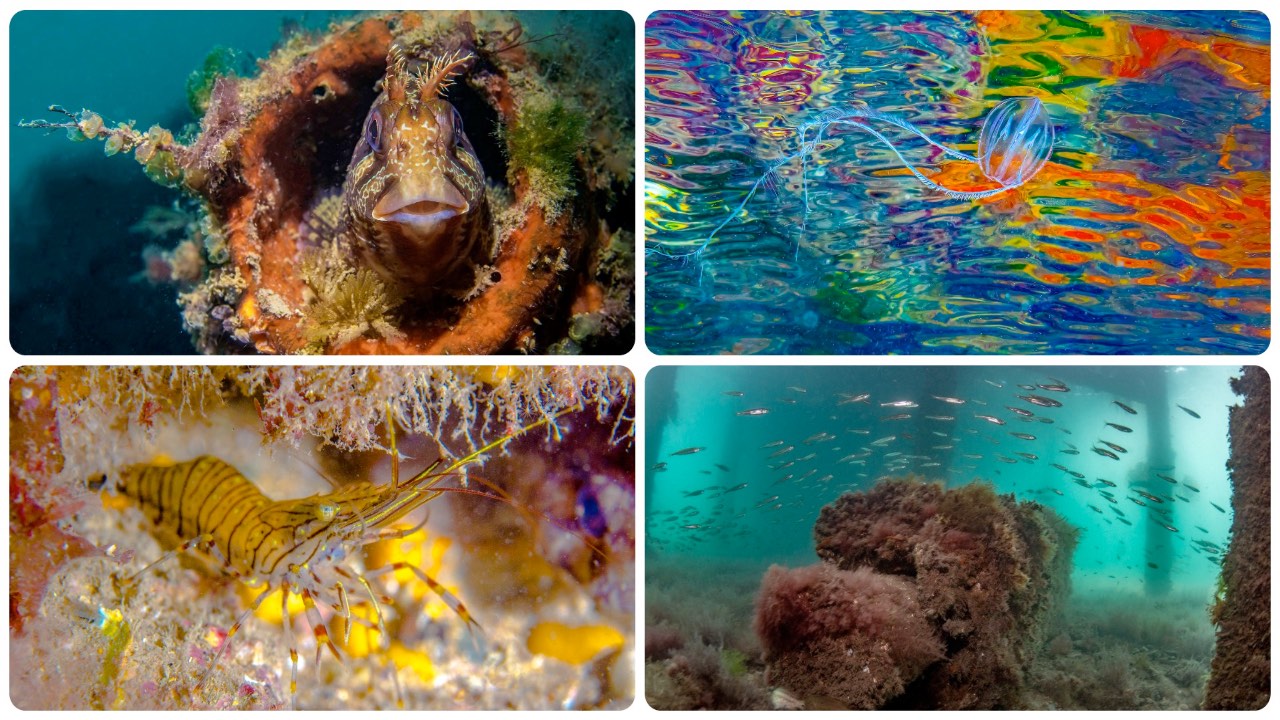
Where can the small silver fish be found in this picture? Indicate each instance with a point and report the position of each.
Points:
(1023, 436)
(689, 451)
(846, 399)
(1124, 407)
(990, 418)
(899, 404)
(733, 393)
(1040, 400)
(949, 400)
(1105, 453)
(1121, 428)
(754, 411)
(1190, 412)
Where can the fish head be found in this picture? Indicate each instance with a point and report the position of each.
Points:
(415, 190)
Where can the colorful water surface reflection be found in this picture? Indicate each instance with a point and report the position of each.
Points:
(1146, 232)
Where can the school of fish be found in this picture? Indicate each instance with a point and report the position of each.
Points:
(933, 435)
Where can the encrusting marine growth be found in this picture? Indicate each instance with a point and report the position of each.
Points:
(927, 598)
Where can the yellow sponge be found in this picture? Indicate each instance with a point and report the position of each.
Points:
(574, 645)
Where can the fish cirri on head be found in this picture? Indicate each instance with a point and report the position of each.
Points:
(414, 194)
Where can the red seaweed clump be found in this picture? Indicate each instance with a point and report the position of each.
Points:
(928, 598)
(807, 617)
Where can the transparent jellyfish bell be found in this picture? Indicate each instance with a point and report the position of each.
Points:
(1016, 141)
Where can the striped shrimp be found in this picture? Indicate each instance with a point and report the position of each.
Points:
(300, 547)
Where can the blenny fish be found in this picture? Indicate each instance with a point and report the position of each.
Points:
(414, 195)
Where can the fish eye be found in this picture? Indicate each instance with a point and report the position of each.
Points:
(373, 131)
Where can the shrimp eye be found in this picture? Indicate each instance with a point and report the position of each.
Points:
(95, 482)
(373, 131)
(326, 511)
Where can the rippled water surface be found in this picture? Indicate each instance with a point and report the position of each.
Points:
(1148, 231)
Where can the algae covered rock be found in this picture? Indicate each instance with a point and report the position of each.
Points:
(927, 598)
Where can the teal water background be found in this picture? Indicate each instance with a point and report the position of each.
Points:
(74, 263)
(694, 514)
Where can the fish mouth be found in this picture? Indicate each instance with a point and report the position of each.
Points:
(420, 207)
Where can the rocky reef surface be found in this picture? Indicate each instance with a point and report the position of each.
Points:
(926, 598)
(1241, 675)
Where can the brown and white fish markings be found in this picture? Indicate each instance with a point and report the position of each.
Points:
(414, 195)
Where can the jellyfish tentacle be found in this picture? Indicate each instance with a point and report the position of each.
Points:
(957, 194)
(1017, 137)
(911, 128)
